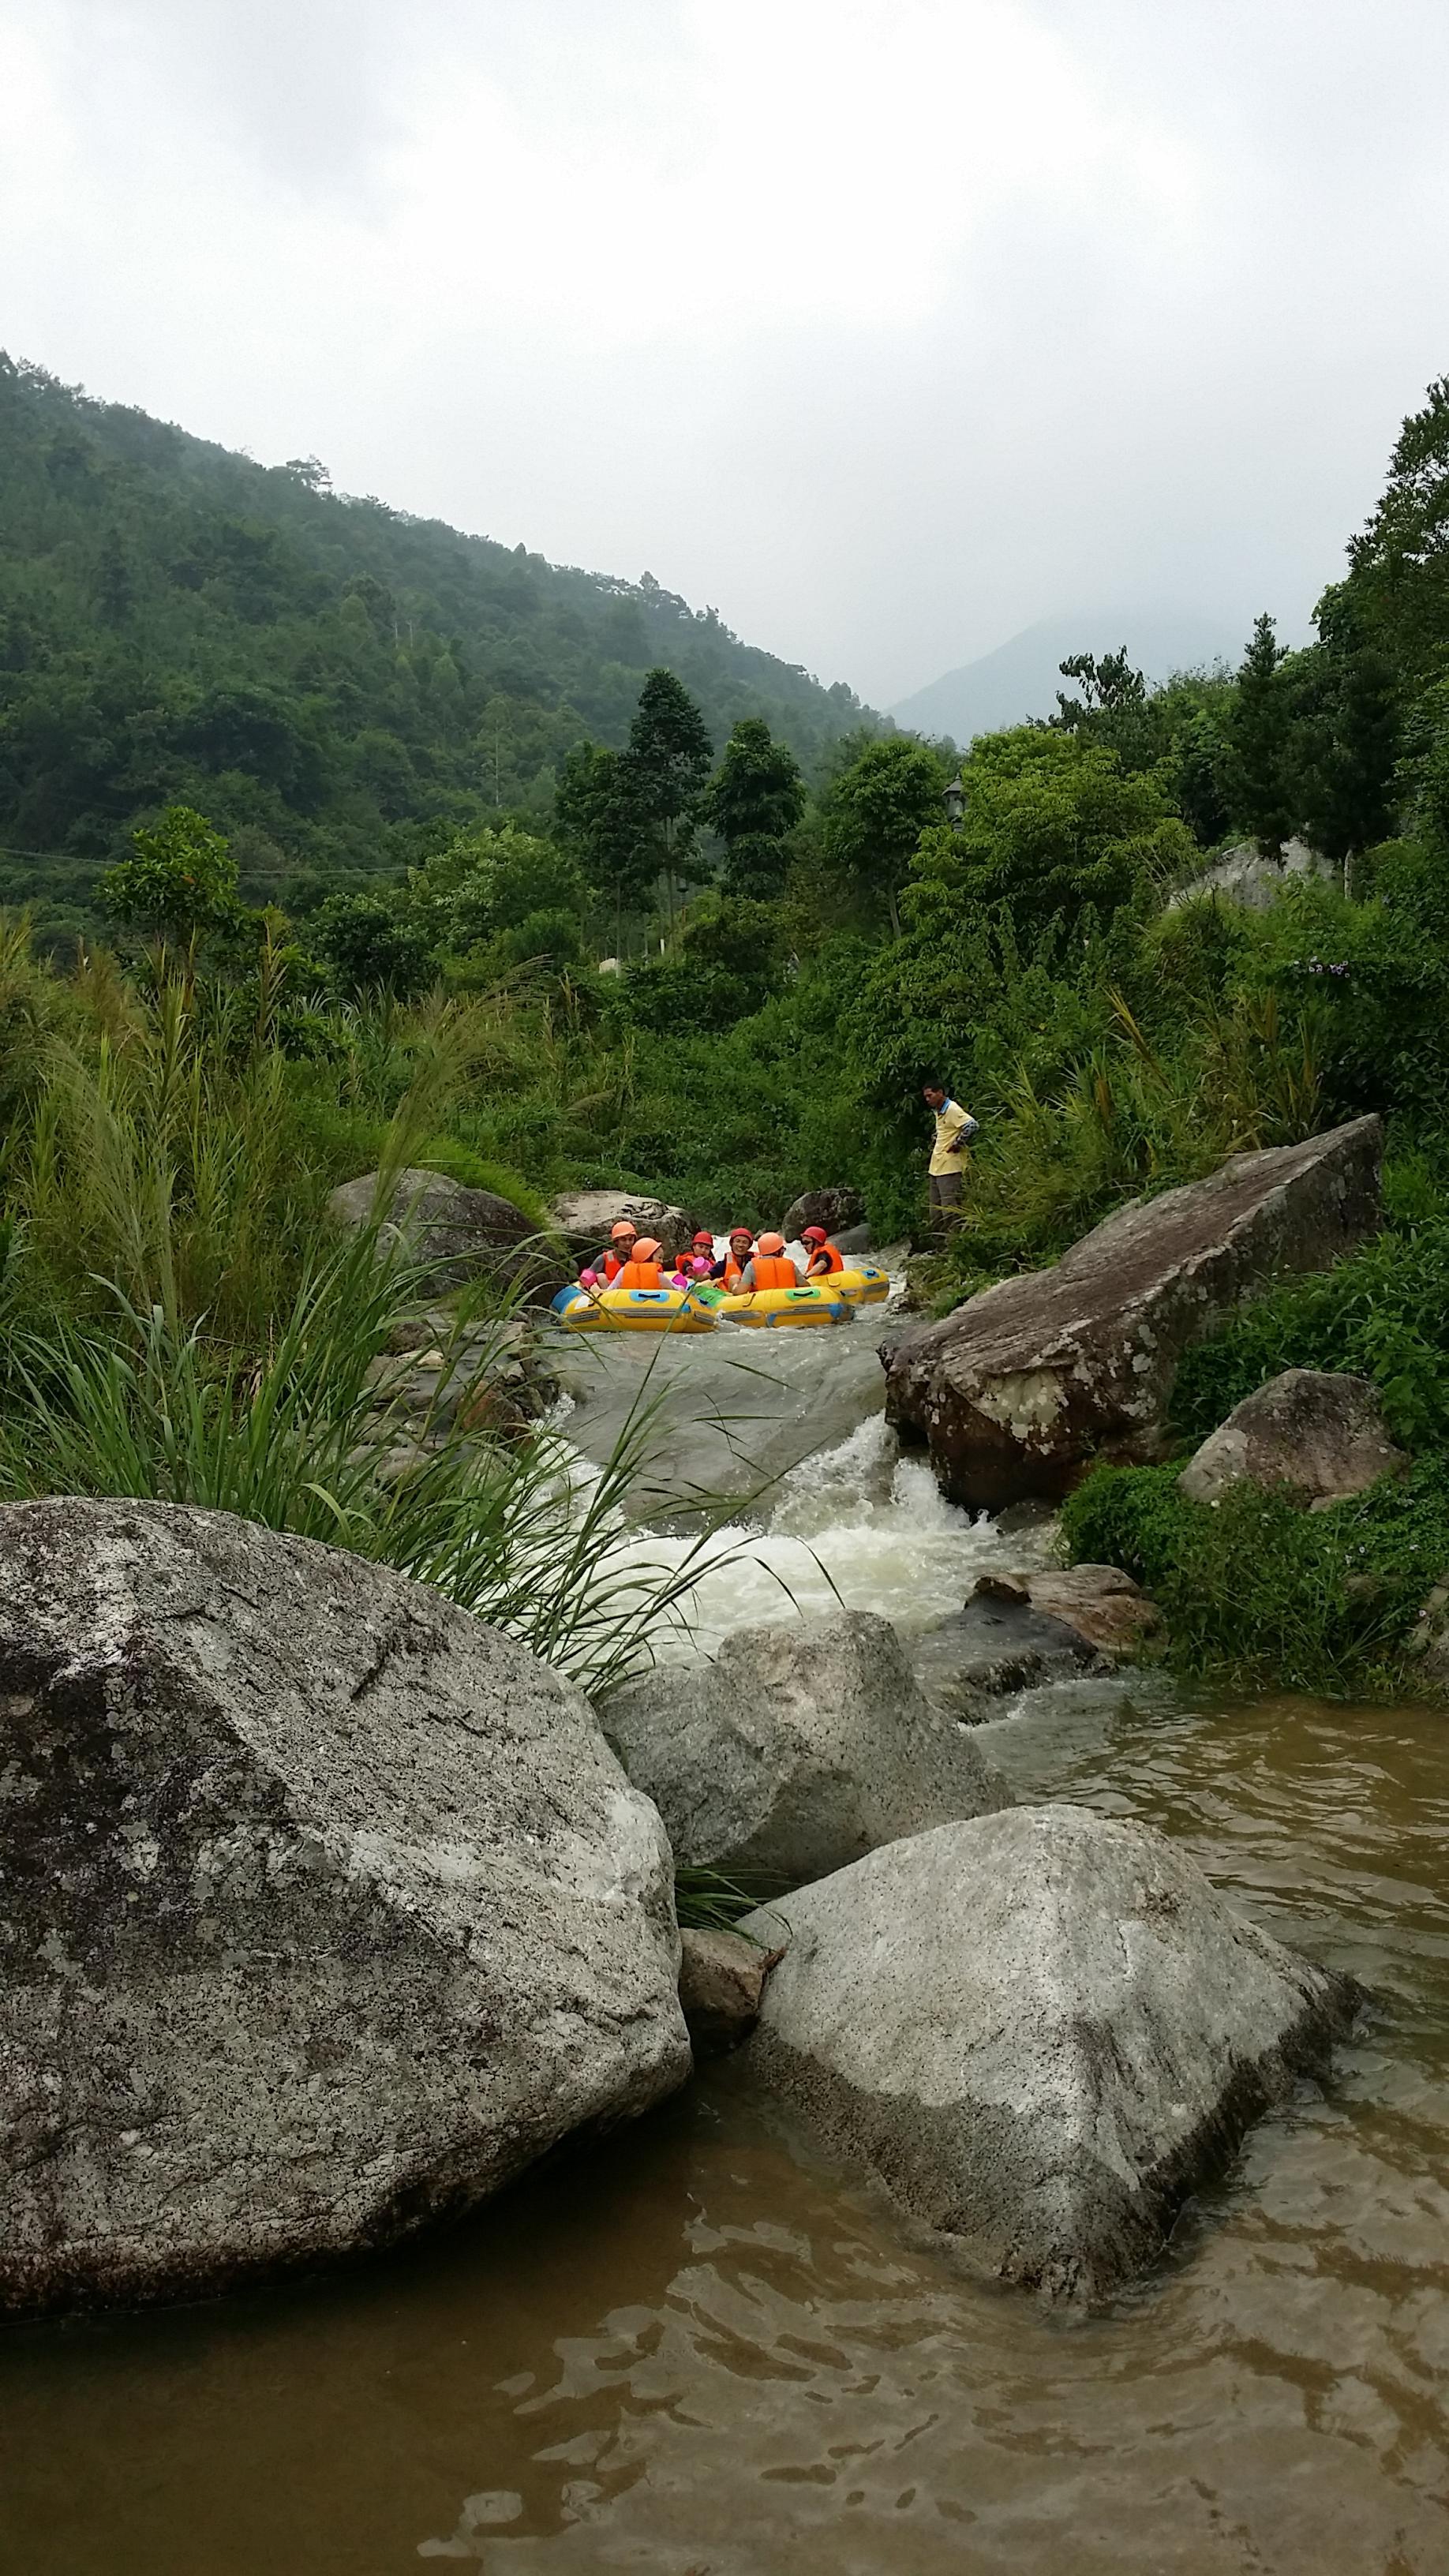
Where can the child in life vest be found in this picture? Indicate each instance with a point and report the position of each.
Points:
(697, 1263)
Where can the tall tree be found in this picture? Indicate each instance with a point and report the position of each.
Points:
(666, 767)
(600, 825)
(1260, 727)
(874, 813)
(1344, 746)
(754, 800)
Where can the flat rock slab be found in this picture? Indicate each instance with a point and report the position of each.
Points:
(1023, 1387)
(796, 1750)
(1040, 2030)
(994, 1647)
(1019, 1631)
(1317, 1434)
(324, 1908)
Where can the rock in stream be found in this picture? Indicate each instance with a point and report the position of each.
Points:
(324, 1907)
(1040, 2030)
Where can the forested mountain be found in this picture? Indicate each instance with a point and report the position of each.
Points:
(338, 685)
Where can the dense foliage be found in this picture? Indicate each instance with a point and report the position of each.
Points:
(705, 931)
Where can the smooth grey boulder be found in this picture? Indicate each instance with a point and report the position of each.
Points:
(1318, 1432)
(1023, 1387)
(324, 1908)
(584, 1218)
(1040, 2030)
(796, 1750)
(833, 1209)
(454, 1234)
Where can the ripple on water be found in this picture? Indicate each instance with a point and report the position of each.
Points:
(693, 2347)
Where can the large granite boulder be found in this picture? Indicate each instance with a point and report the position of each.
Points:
(837, 1210)
(1023, 1387)
(1041, 2030)
(454, 1234)
(324, 1908)
(797, 1749)
(585, 1217)
(1318, 1433)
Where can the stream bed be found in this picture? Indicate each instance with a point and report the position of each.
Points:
(696, 2349)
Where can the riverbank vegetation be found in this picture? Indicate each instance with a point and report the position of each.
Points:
(581, 907)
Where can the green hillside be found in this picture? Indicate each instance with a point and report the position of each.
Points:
(338, 685)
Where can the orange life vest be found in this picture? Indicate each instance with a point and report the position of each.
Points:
(826, 1253)
(772, 1270)
(640, 1274)
(733, 1273)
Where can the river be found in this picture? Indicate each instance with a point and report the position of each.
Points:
(697, 2351)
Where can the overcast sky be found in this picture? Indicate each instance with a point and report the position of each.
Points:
(885, 326)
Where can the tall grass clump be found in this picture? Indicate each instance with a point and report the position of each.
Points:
(308, 1437)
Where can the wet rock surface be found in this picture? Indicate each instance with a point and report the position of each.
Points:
(455, 1234)
(1040, 2030)
(1018, 1391)
(797, 1749)
(1020, 1630)
(721, 1980)
(324, 1908)
(1318, 1433)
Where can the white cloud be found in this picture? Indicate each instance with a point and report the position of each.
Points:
(886, 328)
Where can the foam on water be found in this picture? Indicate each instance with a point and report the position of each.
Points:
(857, 1527)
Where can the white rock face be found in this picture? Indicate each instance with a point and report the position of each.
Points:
(324, 1908)
(1040, 2030)
(585, 1217)
(798, 1749)
(1319, 1432)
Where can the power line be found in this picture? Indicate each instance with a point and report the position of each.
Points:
(74, 856)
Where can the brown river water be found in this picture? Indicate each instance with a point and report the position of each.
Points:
(697, 2350)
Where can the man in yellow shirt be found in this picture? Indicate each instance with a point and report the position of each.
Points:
(955, 1128)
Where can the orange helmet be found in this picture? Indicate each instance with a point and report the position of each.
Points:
(622, 1228)
(770, 1244)
(646, 1247)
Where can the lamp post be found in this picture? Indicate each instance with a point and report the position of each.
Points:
(954, 800)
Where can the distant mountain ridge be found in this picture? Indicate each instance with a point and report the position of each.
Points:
(333, 681)
(1022, 677)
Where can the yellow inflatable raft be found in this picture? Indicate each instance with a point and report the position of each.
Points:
(636, 1310)
(861, 1283)
(772, 1307)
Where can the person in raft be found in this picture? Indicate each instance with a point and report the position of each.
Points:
(769, 1266)
(642, 1269)
(603, 1271)
(697, 1263)
(730, 1268)
(822, 1257)
(955, 1128)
